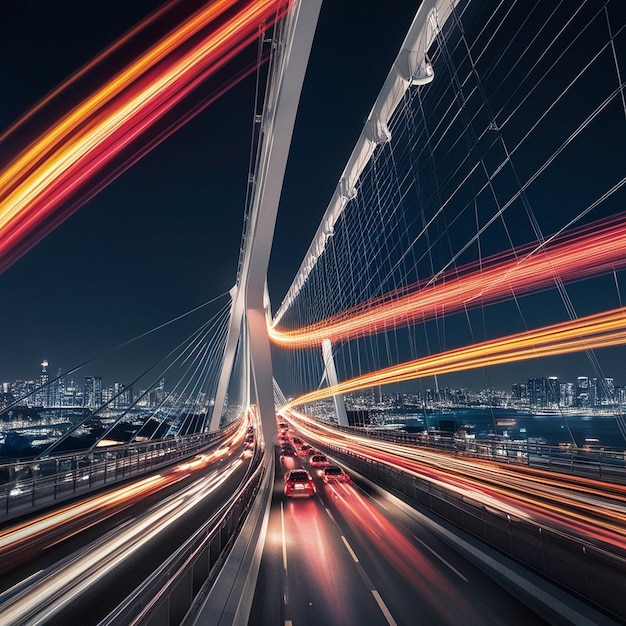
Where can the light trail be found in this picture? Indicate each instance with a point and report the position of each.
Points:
(46, 594)
(23, 541)
(580, 507)
(91, 65)
(595, 331)
(596, 249)
(392, 543)
(41, 187)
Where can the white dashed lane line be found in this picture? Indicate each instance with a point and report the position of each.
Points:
(282, 524)
(350, 550)
(383, 608)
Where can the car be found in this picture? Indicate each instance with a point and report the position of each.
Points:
(319, 460)
(304, 450)
(298, 483)
(297, 440)
(288, 451)
(334, 474)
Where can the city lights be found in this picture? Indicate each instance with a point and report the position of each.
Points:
(595, 331)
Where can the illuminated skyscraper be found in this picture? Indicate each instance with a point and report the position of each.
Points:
(553, 391)
(92, 397)
(583, 392)
(42, 393)
(23, 392)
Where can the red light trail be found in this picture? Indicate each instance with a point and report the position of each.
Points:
(595, 331)
(581, 507)
(589, 251)
(56, 174)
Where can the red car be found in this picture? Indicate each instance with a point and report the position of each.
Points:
(303, 450)
(334, 474)
(298, 483)
(319, 460)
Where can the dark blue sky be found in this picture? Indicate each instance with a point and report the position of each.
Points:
(165, 236)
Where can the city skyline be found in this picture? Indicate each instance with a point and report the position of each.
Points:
(45, 378)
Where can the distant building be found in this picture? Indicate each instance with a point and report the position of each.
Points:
(122, 396)
(42, 393)
(72, 394)
(539, 391)
(6, 395)
(22, 391)
(519, 391)
(92, 397)
(56, 389)
(605, 394)
(583, 392)
(553, 391)
(567, 394)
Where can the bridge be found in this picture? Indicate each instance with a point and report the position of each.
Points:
(476, 225)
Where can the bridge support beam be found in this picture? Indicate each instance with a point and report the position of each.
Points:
(331, 378)
(281, 104)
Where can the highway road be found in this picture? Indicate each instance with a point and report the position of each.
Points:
(346, 557)
(75, 564)
(589, 510)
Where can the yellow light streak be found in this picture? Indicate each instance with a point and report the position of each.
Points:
(595, 331)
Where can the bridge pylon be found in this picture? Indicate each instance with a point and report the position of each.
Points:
(249, 319)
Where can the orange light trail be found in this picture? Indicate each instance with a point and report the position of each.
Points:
(40, 187)
(24, 539)
(583, 507)
(88, 67)
(595, 331)
(590, 251)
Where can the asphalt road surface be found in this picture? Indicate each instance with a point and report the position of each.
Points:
(345, 557)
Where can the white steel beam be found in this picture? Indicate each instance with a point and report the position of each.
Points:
(281, 104)
(331, 379)
(411, 67)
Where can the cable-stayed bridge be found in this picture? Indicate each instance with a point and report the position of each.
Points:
(476, 216)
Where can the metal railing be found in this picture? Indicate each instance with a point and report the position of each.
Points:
(580, 566)
(169, 594)
(26, 486)
(603, 463)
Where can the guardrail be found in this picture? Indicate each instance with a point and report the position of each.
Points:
(577, 565)
(168, 596)
(603, 463)
(26, 486)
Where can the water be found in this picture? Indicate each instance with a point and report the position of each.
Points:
(551, 428)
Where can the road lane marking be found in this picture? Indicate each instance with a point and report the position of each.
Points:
(425, 545)
(282, 524)
(383, 608)
(330, 514)
(456, 571)
(350, 550)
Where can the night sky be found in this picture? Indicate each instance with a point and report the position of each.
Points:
(164, 237)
